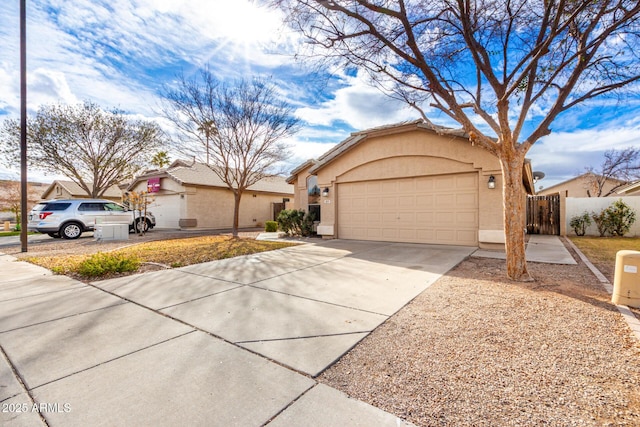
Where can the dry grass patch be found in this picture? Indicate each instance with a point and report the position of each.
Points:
(604, 249)
(171, 253)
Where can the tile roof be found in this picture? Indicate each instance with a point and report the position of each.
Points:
(76, 191)
(187, 173)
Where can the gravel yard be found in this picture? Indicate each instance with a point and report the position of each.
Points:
(476, 349)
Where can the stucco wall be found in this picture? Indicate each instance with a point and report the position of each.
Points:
(210, 207)
(576, 187)
(579, 205)
(213, 207)
(407, 154)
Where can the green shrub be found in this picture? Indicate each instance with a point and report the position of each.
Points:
(296, 222)
(289, 221)
(100, 264)
(621, 217)
(602, 222)
(271, 226)
(306, 226)
(579, 223)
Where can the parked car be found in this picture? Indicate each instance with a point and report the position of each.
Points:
(70, 218)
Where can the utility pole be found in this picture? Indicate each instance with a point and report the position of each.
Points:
(23, 125)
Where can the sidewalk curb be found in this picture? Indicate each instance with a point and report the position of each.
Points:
(627, 314)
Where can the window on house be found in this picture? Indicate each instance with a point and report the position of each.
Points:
(313, 190)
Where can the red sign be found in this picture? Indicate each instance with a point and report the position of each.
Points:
(153, 185)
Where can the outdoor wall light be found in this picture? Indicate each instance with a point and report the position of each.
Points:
(492, 182)
(325, 191)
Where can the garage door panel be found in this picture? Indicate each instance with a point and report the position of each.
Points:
(389, 202)
(372, 187)
(445, 200)
(424, 183)
(389, 218)
(444, 183)
(466, 200)
(467, 219)
(406, 219)
(424, 218)
(388, 234)
(389, 187)
(445, 218)
(431, 209)
(425, 235)
(467, 181)
(372, 218)
(465, 235)
(373, 203)
(407, 202)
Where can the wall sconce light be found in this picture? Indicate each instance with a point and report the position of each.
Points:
(492, 182)
(325, 191)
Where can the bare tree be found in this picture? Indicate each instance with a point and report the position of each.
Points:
(10, 197)
(622, 166)
(238, 129)
(502, 69)
(94, 148)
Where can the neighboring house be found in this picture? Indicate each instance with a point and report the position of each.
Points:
(70, 190)
(632, 189)
(581, 186)
(191, 195)
(407, 182)
(10, 197)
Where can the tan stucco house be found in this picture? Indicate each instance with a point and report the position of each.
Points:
(191, 195)
(580, 186)
(632, 189)
(70, 190)
(408, 182)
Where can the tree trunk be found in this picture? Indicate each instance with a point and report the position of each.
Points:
(514, 217)
(236, 212)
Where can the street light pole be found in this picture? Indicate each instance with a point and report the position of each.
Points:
(23, 125)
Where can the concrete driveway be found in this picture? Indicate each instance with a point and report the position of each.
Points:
(231, 342)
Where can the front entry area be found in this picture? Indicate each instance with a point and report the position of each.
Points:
(440, 209)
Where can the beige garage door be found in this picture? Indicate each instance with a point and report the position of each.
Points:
(431, 209)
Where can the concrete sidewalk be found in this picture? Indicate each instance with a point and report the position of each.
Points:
(540, 248)
(231, 342)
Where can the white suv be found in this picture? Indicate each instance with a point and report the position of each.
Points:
(70, 218)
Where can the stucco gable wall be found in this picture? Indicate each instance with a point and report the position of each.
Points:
(213, 207)
(416, 143)
(414, 153)
(404, 166)
(577, 187)
(301, 192)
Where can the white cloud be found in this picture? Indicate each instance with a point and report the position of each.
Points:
(50, 87)
(564, 155)
(359, 105)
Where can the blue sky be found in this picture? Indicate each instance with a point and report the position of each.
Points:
(119, 53)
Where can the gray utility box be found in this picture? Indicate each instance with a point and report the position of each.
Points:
(103, 232)
(626, 282)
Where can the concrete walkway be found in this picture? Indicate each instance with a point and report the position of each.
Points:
(231, 342)
(540, 248)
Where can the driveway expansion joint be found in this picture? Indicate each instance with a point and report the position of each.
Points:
(303, 337)
(64, 317)
(199, 298)
(21, 381)
(113, 359)
(316, 300)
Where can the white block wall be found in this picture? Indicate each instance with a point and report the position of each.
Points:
(578, 205)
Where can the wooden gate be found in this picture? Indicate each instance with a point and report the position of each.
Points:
(277, 208)
(543, 214)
